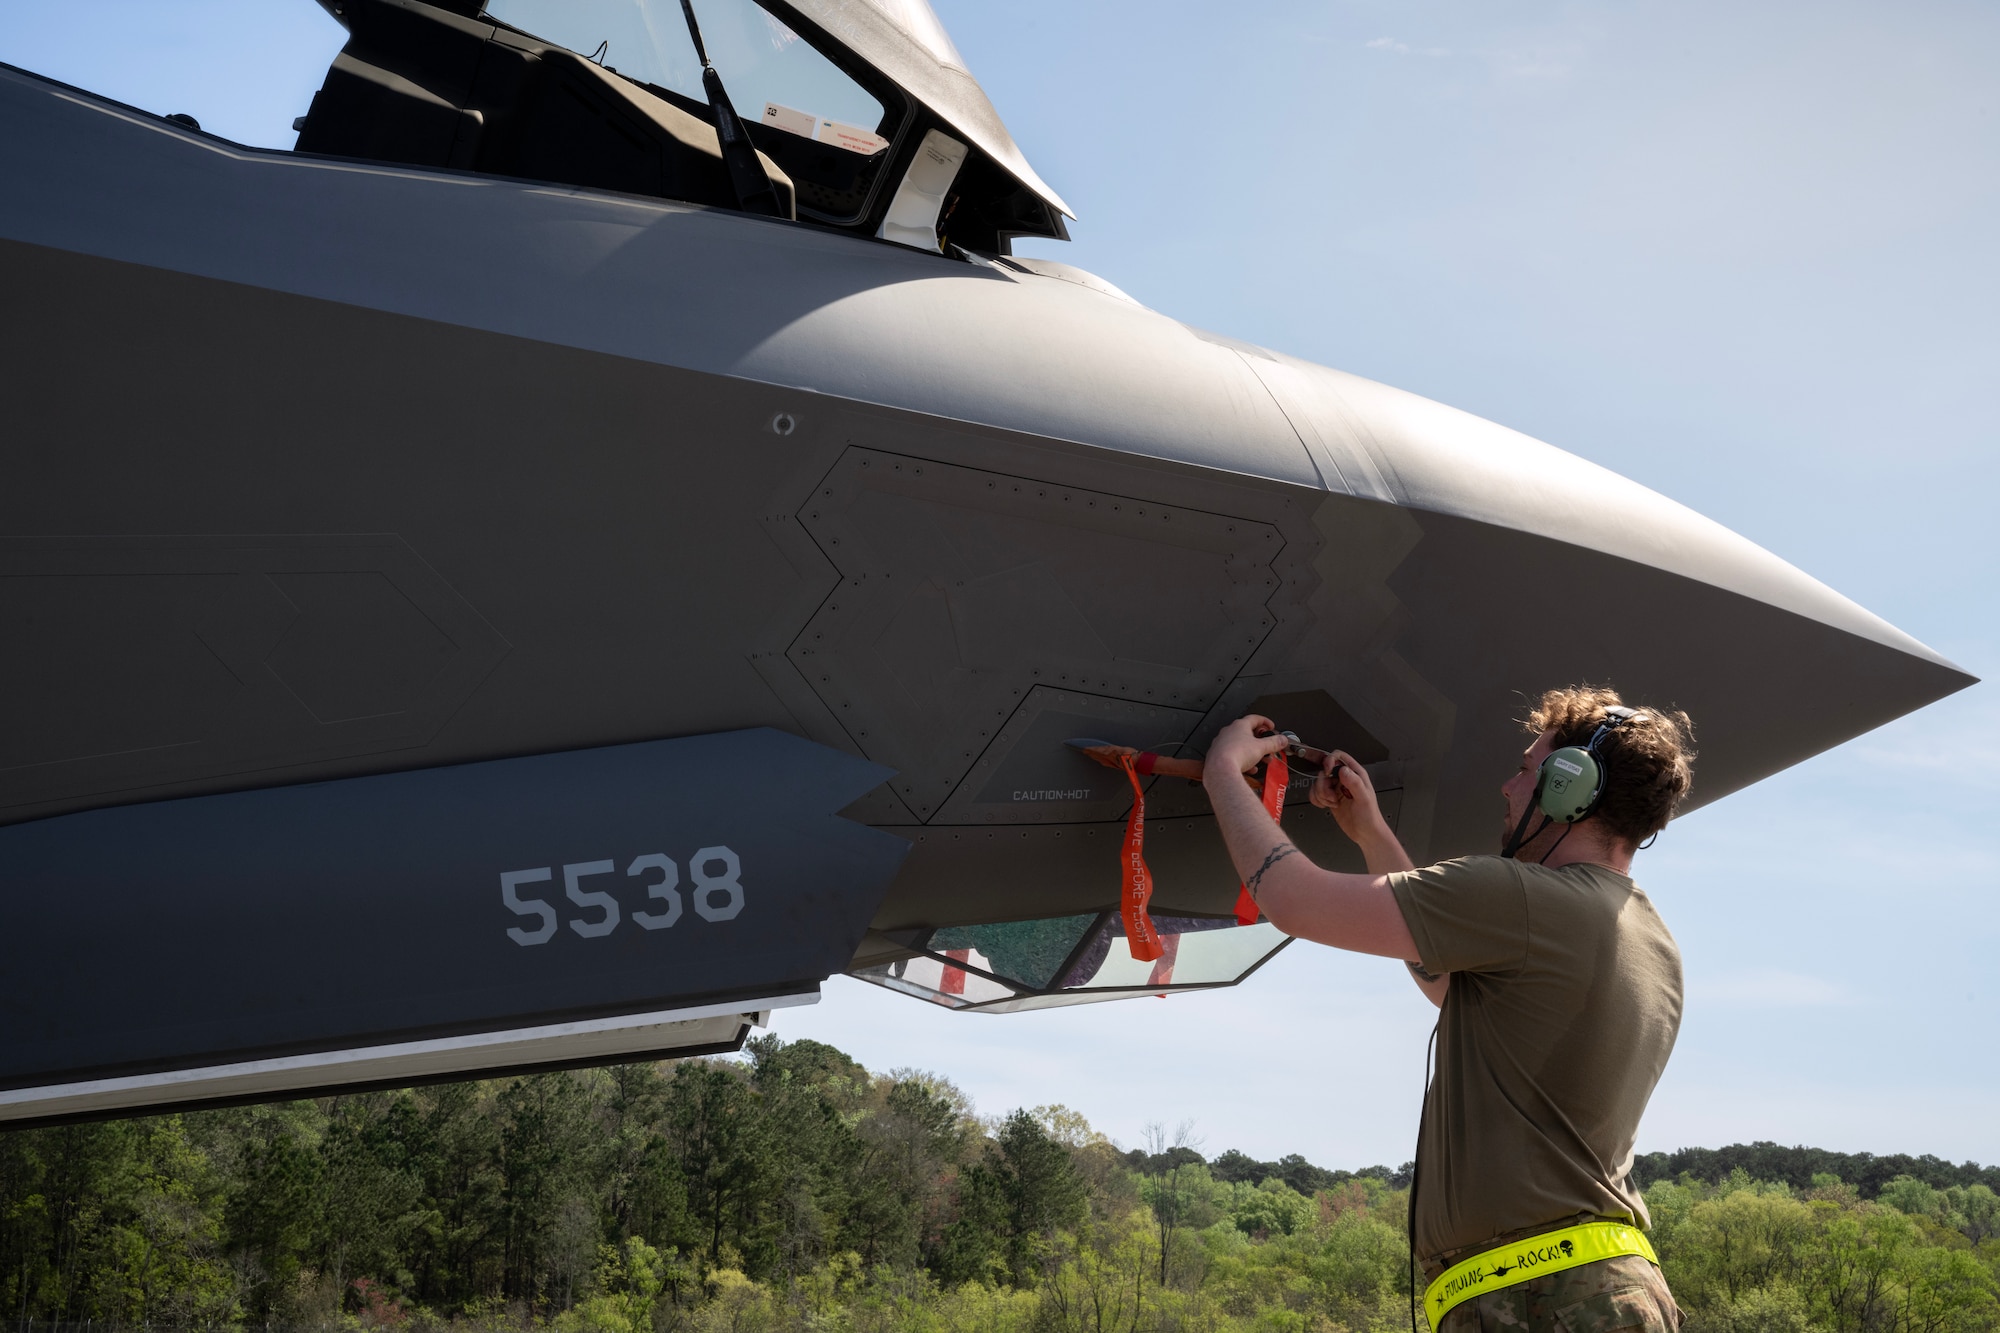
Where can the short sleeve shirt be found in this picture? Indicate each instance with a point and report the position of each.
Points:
(1564, 1004)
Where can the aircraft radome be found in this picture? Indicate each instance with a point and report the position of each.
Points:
(554, 568)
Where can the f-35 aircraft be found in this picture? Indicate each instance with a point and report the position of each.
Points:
(606, 535)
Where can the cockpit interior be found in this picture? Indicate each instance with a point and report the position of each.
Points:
(852, 115)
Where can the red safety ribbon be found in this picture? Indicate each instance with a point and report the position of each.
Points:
(1163, 967)
(953, 980)
(1140, 937)
(1274, 806)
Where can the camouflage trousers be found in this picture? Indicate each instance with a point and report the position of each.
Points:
(1609, 1296)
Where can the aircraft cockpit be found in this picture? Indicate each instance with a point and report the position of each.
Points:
(853, 115)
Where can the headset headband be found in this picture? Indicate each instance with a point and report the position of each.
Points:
(1615, 716)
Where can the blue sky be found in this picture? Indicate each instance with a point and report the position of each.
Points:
(1741, 253)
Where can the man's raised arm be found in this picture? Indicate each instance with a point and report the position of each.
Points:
(1355, 912)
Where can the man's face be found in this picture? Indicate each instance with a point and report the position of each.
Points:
(1519, 790)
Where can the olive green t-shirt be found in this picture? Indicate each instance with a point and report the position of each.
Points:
(1564, 1003)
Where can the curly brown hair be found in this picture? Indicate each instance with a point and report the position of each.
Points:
(1648, 762)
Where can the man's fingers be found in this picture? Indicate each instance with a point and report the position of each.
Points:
(1240, 746)
(1352, 776)
(1263, 739)
(1327, 788)
(1326, 783)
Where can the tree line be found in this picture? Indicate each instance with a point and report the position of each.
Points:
(1797, 1167)
(793, 1189)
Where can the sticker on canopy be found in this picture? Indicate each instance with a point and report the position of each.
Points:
(790, 119)
(851, 137)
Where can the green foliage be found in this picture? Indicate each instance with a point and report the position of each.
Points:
(1798, 1167)
(1301, 1175)
(1270, 1209)
(1745, 1256)
(793, 1190)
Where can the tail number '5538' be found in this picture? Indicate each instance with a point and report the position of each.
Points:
(717, 897)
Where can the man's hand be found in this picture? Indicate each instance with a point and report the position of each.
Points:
(1355, 912)
(1242, 745)
(1344, 789)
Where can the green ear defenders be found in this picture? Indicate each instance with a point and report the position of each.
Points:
(1570, 783)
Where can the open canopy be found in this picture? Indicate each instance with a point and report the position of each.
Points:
(905, 40)
(859, 115)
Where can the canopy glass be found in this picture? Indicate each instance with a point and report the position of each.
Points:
(830, 134)
(766, 52)
(760, 59)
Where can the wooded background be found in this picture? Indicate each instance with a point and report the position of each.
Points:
(793, 1189)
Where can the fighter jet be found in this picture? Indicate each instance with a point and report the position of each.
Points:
(606, 535)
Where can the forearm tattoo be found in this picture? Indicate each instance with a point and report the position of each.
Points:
(1276, 854)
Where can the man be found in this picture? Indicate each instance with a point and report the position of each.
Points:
(1561, 996)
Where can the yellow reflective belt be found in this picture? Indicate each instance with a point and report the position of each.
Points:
(1550, 1252)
